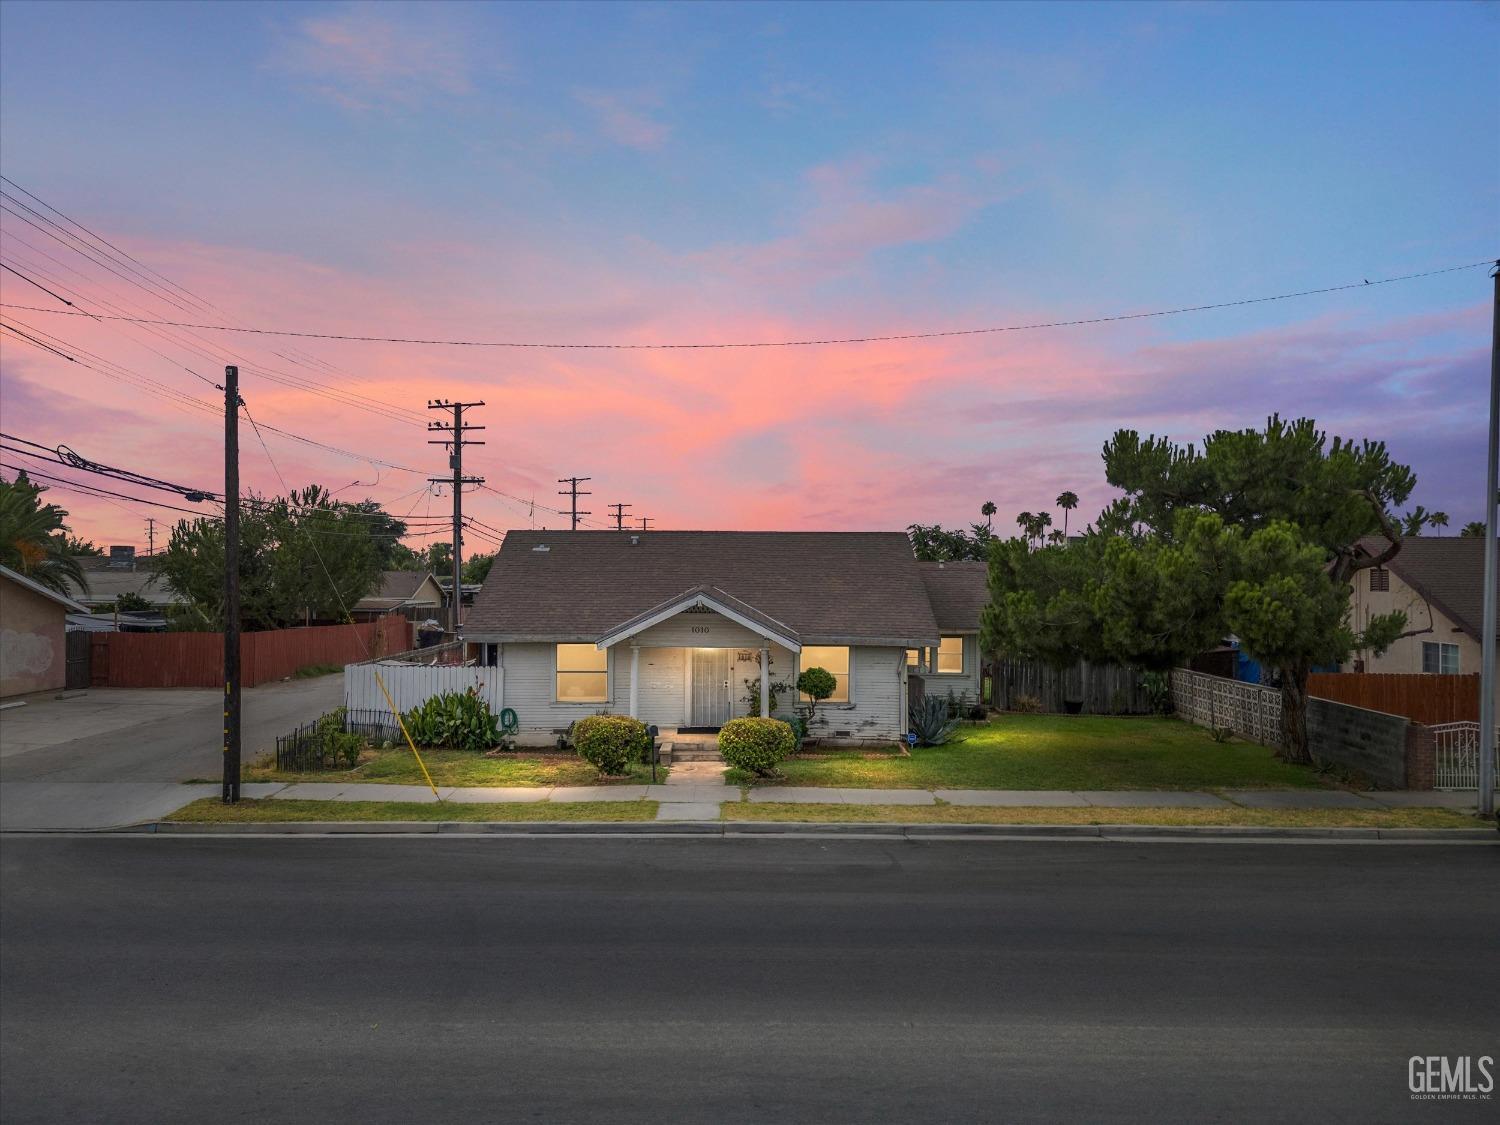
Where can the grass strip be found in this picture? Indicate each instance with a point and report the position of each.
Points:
(967, 814)
(462, 768)
(210, 810)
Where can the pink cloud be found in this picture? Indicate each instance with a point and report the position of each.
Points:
(625, 118)
(365, 55)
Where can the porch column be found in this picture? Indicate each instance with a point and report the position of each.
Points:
(765, 682)
(635, 668)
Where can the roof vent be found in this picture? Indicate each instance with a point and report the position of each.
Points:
(541, 547)
(635, 540)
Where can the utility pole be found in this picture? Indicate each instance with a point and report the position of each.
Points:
(619, 515)
(150, 535)
(232, 403)
(573, 483)
(1487, 685)
(645, 523)
(455, 441)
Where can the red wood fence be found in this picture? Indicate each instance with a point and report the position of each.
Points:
(1422, 699)
(163, 660)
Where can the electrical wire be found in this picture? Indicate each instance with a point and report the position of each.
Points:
(807, 343)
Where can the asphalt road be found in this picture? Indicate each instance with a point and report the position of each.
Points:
(175, 979)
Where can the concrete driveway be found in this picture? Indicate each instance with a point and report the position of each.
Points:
(69, 762)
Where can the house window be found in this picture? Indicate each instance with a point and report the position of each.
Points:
(582, 674)
(1439, 659)
(833, 659)
(914, 658)
(951, 655)
(1380, 578)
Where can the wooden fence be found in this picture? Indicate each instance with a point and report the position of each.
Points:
(196, 660)
(1249, 710)
(1422, 699)
(1099, 689)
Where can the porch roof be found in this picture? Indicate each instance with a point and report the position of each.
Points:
(706, 597)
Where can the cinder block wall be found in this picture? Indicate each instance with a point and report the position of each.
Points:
(1370, 742)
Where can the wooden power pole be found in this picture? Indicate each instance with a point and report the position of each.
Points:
(231, 790)
(572, 491)
(455, 441)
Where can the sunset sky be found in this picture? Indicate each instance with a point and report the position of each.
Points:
(693, 173)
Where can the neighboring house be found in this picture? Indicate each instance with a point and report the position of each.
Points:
(414, 593)
(33, 643)
(669, 626)
(1438, 582)
(121, 572)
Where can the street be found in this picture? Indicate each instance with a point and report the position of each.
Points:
(164, 979)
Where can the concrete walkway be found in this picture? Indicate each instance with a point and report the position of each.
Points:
(686, 796)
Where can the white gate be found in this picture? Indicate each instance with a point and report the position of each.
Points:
(411, 685)
(1457, 758)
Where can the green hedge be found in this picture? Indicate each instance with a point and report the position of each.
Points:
(611, 743)
(757, 745)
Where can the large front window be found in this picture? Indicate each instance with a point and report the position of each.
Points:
(1439, 659)
(951, 655)
(833, 659)
(582, 674)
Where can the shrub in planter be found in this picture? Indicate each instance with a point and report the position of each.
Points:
(610, 743)
(757, 745)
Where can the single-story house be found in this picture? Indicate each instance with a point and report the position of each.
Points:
(415, 593)
(123, 572)
(33, 643)
(683, 629)
(1438, 582)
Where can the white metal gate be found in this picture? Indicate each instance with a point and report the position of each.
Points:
(1457, 764)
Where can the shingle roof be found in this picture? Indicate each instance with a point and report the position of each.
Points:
(958, 592)
(107, 585)
(1446, 570)
(854, 587)
(68, 603)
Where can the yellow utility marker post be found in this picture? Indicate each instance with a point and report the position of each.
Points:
(391, 703)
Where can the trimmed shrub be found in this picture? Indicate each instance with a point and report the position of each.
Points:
(610, 743)
(757, 745)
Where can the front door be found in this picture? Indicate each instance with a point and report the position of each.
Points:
(710, 687)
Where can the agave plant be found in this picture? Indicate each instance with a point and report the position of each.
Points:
(930, 721)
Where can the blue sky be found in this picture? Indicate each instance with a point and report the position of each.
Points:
(597, 172)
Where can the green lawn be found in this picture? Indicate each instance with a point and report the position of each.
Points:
(459, 767)
(958, 814)
(210, 810)
(1058, 752)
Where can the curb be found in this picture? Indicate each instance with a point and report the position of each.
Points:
(1120, 832)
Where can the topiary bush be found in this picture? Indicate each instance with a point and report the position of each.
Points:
(757, 745)
(610, 743)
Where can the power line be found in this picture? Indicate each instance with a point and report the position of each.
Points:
(807, 343)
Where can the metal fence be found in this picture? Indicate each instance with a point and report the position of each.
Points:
(307, 749)
(1457, 756)
(1249, 710)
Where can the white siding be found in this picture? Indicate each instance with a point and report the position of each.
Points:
(695, 630)
(531, 688)
(966, 683)
(659, 684)
(877, 677)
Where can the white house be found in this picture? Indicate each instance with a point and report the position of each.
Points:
(683, 629)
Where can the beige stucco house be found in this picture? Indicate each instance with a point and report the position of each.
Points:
(33, 645)
(1438, 582)
(682, 629)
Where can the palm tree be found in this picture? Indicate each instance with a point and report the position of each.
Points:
(1438, 519)
(33, 537)
(1474, 529)
(1043, 522)
(988, 511)
(1023, 521)
(1067, 501)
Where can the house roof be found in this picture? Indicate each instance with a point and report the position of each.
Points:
(958, 592)
(68, 604)
(1446, 570)
(107, 585)
(830, 587)
(397, 588)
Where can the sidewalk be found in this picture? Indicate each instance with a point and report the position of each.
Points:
(30, 806)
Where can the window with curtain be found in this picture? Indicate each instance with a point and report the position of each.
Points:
(951, 655)
(582, 674)
(833, 659)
